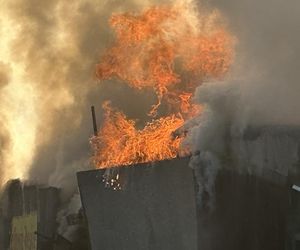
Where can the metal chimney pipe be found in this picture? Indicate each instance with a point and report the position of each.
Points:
(94, 120)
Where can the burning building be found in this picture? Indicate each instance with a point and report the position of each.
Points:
(210, 162)
(163, 205)
(249, 204)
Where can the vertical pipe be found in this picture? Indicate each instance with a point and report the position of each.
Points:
(94, 120)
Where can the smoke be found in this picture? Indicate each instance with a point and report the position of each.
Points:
(262, 88)
(48, 55)
(5, 72)
(49, 51)
(264, 78)
(64, 229)
(208, 136)
(4, 80)
(267, 59)
(205, 173)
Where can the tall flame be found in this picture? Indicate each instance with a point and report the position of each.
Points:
(170, 49)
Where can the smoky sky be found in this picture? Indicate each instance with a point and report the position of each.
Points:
(262, 88)
(267, 58)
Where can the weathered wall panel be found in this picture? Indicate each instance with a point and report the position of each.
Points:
(48, 204)
(18, 203)
(154, 210)
(23, 235)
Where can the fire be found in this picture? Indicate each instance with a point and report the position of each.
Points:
(119, 142)
(169, 50)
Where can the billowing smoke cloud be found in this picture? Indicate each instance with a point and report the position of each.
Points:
(5, 72)
(261, 90)
(4, 80)
(267, 59)
(49, 52)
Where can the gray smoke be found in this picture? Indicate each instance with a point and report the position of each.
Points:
(64, 229)
(207, 166)
(267, 59)
(262, 88)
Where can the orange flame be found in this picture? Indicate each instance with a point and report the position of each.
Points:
(160, 49)
(119, 142)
